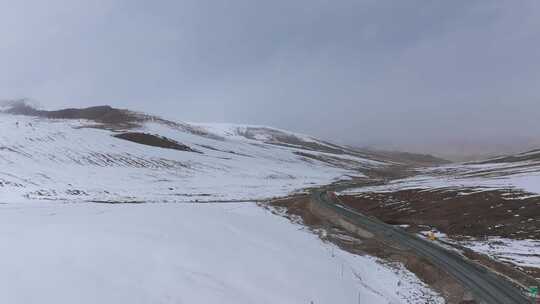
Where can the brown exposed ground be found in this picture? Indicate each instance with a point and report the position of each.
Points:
(415, 159)
(476, 214)
(297, 210)
(154, 141)
(102, 114)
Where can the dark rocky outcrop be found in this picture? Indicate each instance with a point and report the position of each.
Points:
(154, 141)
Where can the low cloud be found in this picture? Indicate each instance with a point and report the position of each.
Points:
(389, 73)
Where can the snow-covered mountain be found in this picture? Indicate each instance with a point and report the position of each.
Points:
(106, 154)
(54, 166)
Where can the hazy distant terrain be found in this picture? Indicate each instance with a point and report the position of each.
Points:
(462, 149)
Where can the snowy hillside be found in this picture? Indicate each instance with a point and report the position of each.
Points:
(60, 246)
(517, 174)
(81, 160)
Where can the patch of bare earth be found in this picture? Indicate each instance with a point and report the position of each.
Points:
(101, 114)
(154, 141)
(460, 215)
(297, 210)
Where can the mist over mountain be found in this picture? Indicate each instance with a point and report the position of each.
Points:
(462, 149)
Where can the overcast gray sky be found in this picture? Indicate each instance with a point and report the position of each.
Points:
(359, 71)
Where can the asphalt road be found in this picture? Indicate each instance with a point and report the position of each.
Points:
(486, 286)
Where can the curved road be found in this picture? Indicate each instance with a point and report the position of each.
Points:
(486, 286)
